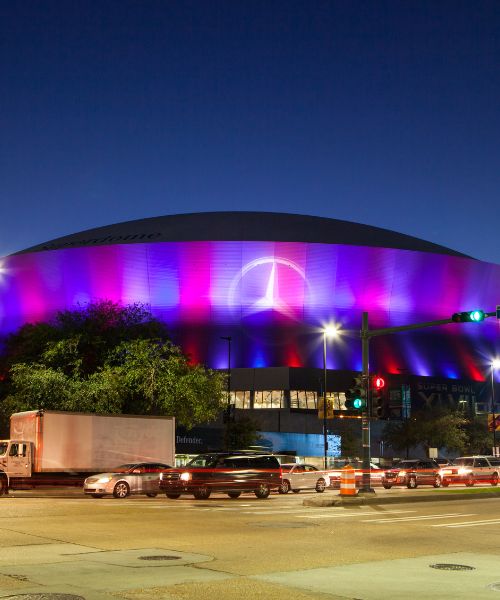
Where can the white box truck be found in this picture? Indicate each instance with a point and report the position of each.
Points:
(51, 448)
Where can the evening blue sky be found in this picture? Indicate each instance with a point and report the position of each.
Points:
(379, 112)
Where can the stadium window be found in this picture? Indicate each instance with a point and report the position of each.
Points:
(241, 399)
(269, 399)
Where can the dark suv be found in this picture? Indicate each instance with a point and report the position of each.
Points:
(422, 471)
(231, 473)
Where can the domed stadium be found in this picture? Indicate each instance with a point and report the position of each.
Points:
(254, 291)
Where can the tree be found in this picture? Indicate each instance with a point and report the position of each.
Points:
(241, 434)
(105, 358)
(479, 439)
(430, 428)
(158, 379)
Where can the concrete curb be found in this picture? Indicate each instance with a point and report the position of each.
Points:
(361, 500)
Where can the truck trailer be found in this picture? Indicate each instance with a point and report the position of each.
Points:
(53, 448)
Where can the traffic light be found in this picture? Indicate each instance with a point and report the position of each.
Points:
(378, 400)
(356, 395)
(471, 316)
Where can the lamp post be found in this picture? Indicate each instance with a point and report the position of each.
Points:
(227, 338)
(495, 364)
(330, 331)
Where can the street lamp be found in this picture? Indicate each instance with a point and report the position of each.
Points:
(227, 338)
(329, 331)
(495, 364)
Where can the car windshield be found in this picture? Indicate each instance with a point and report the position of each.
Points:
(406, 464)
(464, 462)
(3, 448)
(203, 461)
(125, 468)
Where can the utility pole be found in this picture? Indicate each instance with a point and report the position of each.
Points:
(366, 334)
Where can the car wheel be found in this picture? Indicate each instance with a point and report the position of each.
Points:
(320, 486)
(172, 496)
(4, 486)
(96, 495)
(470, 480)
(412, 483)
(151, 495)
(437, 481)
(445, 483)
(262, 491)
(284, 488)
(295, 491)
(494, 479)
(121, 490)
(234, 494)
(202, 493)
(387, 486)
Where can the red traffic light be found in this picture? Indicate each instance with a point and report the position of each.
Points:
(378, 383)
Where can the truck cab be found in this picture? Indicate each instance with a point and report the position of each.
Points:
(15, 461)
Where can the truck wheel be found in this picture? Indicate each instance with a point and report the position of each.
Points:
(202, 493)
(172, 496)
(121, 490)
(4, 488)
(320, 486)
(262, 491)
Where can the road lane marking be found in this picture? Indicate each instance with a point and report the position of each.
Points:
(469, 523)
(419, 518)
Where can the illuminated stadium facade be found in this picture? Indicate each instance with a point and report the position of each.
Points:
(272, 282)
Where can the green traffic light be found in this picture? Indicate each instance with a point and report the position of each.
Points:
(357, 403)
(476, 316)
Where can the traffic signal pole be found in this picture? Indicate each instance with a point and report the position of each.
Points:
(366, 335)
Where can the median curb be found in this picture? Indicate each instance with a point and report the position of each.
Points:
(372, 498)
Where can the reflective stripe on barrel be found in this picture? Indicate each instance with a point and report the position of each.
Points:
(348, 481)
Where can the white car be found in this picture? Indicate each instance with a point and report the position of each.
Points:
(376, 474)
(298, 477)
(131, 478)
(471, 470)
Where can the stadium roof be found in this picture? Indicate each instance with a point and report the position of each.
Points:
(242, 226)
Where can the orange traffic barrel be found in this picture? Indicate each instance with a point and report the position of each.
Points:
(348, 481)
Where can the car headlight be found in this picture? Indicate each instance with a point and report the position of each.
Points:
(106, 479)
(185, 476)
(402, 473)
(463, 471)
(161, 476)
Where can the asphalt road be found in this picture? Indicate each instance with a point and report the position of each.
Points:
(221, 549)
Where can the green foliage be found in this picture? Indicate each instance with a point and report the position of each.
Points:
(159, 380)
(107, 359)
(479, 439)
(431, 428)
(241, 434)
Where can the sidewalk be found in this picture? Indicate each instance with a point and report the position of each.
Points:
(395, 496)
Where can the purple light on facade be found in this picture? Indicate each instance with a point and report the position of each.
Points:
(273, 298)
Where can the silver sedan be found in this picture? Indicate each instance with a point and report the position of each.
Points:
(131, 478)
(298, 477)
